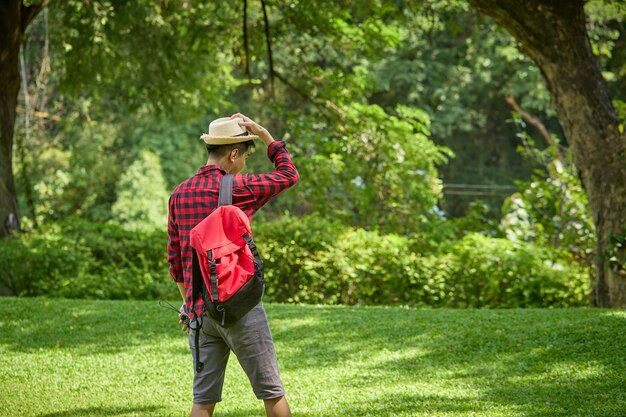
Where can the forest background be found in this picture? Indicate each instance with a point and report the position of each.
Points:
(433, 168)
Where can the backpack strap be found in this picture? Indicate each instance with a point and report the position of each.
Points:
(226, 191)
(197, 288)
(212, 275)
(258, 263)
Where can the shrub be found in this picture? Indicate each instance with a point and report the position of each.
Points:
(362, 267)
(109, 244)
(78, 259)
(497, 272)
(309, 260)
(33, 264)
(315, 261)
(285, 245)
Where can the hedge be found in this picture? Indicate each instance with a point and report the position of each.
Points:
(307, 260)
(78, 259)
(314, 261)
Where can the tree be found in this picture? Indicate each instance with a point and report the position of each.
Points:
(121, 58)
(142, 196)
(554, 34)
(14, 19)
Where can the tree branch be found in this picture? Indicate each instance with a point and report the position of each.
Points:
(28, 13)
(530, 119)
(537, 124)
(304, 94)
(245, 39)
(269, 46)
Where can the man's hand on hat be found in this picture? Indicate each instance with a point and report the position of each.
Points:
(254, 128)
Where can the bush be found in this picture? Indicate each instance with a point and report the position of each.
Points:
(313, 260)
(33, 264)
(497, 272)
(285, 245)
(109, 244)
(363, 267)
(78, 259)
(308, 260)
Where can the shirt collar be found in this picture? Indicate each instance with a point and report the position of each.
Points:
(207, 169)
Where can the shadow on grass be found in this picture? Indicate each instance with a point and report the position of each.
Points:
(398, 405)
(410, 404)
(328, 336)
(106, 326)
(101, 411)
(547, 365)
(540, 363)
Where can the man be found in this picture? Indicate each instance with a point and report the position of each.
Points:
(228, 144)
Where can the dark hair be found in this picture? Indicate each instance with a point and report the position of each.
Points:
(221, 150)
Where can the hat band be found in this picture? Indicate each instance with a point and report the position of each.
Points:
(241, 134)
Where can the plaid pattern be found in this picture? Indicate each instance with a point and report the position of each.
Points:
(195, 198)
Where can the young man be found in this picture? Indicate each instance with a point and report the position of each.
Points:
(228, 143)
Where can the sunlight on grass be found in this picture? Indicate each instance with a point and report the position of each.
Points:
(128, 358)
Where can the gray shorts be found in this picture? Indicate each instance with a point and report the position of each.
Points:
(251, 341)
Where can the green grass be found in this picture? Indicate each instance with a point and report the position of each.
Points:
(68, 358)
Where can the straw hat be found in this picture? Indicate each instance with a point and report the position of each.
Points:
(226, 131)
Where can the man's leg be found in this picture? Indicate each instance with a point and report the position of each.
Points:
(202, 410)
(251, 341)
(277, 407)
(209, 381)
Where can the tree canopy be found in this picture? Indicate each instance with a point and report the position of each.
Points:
(395, 112)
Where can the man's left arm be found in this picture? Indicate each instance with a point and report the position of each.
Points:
(175, 259)
(181, 288)
(174, 256)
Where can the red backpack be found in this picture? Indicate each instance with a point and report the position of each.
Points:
(226, 260)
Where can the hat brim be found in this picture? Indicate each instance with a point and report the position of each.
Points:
(226, 140)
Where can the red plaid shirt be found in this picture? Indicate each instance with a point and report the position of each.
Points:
(195, 198)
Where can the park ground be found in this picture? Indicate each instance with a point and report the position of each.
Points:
(66, 358)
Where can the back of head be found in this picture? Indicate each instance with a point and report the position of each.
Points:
(218, 151)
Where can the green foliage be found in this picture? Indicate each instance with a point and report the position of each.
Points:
(308, 260)
(620, 106)
(142, 54)
(342, 72)
(177, 144)
(476, 219)
(142, 196)
(377, 171)
(392, 167)
(551, 209)
(285, 245)
(311, 260)
(458, 66)
(364, 159)
(35, 264)
(372, 97)
(498, 272)
(78, 259)
(95, 167)
(77, 169)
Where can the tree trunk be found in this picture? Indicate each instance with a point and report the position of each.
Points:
(553, 33)
(10, 42)
(14, 18)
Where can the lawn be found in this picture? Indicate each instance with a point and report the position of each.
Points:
(68, 358)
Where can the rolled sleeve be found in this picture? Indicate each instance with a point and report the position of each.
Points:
(264, 187)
